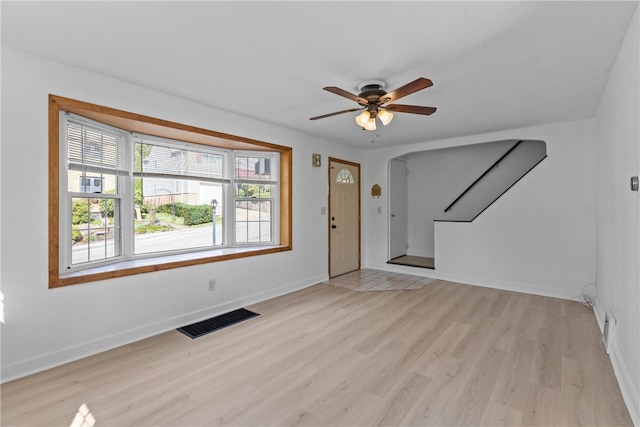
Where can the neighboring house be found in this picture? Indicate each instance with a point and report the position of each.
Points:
(158, 188)
(159, 191)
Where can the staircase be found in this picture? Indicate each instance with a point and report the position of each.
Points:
(503, 174)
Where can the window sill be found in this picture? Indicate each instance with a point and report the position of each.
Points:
(148, 265)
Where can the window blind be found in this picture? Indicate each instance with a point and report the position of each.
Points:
(91, 148)
(156, 160)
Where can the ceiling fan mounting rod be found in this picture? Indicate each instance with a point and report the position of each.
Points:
(373, 109)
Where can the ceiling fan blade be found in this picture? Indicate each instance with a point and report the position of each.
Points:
(416, 85)
(414, 109)
(346, 94)
(336, 113)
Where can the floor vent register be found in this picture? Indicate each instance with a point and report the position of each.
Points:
(213, 324)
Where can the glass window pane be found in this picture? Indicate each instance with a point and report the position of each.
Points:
(254, 191)
(253, 222)
(264, 191)
(265, 210)
(265, 232)
(242, 211)
(253, 168)
(87, 182)
(177, 214)
(94, 226)
(345, 177)
(242, 230)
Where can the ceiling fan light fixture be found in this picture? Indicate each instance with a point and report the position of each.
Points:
(371, 124)
(372, 102)
(363, 118)
(385, 117)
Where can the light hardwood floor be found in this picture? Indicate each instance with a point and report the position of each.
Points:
(435, 353)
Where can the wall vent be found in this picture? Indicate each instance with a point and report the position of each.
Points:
(609, 331)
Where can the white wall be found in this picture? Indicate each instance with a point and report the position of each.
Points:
(618, 214)
(539, 237)
(45, 327)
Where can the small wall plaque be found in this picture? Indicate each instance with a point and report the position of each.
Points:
(376, 191)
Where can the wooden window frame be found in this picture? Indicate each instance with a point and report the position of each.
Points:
(133, 122)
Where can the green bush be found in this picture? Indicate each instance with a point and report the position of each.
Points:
(164, 208)
(152, 228)
(169, 208)
(192, 214)
(195, 215)
(80, 211)
(254, 190)
(76, 235)
(107, 207)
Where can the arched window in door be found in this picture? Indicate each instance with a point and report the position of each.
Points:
(345, 177)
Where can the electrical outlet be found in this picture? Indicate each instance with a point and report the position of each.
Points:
(212, 285)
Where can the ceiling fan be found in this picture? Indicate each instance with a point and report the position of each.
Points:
(373, 101)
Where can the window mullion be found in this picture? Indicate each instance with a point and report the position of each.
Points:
(64, 208)
(229, 219)
(127, 204)
(275, 204)
(89, 195)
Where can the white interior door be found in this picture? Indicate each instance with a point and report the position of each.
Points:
(344, 217)
(398, 202)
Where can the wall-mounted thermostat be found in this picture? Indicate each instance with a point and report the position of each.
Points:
(634, 183)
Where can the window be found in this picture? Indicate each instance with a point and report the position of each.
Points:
(254, 199)
(91, 184)
(167, 197)
(176, 183)
(344, 177)
(96, 159)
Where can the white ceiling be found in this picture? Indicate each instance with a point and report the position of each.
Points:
(494, 65)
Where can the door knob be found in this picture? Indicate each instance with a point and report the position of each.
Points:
(333, 226)
(393, 215)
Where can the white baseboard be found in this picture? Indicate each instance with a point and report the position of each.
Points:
(628, 390)
(494, 284)
(70, 354)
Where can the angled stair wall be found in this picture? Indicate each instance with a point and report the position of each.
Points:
(507, 170)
